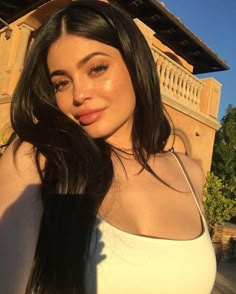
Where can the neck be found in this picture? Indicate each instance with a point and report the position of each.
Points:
(124, 150)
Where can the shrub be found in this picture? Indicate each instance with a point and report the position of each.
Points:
(218, 208)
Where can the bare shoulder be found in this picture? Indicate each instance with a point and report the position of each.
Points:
(195, 173)
(17, 174)
(193, 169)
(20, 216)
(174, 174)
(20, 164)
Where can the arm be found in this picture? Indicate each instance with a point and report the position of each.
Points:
(20, 215)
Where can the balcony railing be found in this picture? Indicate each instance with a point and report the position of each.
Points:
(176, 82)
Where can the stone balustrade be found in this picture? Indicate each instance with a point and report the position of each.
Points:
(176, 82)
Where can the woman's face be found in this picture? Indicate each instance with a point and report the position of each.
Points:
(93, 87)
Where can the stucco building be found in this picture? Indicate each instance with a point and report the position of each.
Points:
(192, 103)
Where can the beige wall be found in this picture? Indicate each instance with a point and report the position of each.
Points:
(210, 97)
(5, 126)
(193, 137)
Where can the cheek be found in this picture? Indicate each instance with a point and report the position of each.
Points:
(63, 105)
(60, 104)
(109, 85)
(119, 86)
(109, 89)
(66, 109)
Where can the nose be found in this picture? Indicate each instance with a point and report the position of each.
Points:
(81, 92)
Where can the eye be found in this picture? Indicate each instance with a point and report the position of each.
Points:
(98, 69)
(61, 85)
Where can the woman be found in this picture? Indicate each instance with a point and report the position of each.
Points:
(97, 205)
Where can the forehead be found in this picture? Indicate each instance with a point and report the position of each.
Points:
(73, 48)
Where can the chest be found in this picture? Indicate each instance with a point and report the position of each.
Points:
(124, 263)
(143, 205)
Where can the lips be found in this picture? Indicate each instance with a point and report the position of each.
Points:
(89, 116)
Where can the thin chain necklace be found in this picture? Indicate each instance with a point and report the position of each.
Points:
(124, 150)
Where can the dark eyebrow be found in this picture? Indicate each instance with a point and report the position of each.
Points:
(84, 60)
(57, 73)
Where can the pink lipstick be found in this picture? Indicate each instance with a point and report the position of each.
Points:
(87, 117)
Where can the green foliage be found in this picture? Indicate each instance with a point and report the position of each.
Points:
(218, 208)
(224, 153)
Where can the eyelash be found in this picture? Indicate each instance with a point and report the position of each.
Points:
(98, 69)
(57, 85)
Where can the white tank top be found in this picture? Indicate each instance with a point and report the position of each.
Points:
(124, 263)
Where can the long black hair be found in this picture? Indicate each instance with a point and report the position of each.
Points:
(78, 170)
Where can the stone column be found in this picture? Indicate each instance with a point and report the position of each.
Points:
(25, 31)
(13, 71)
(5, 50)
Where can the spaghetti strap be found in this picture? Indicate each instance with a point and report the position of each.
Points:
(189, 182)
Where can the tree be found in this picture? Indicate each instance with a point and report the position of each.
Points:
(218, 208)
(224, 153)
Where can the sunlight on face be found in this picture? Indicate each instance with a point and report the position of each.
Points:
(92, 86)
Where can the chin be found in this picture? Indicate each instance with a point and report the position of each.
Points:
(100, 133)
(96, 134)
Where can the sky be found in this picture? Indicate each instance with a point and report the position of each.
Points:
(214, 22)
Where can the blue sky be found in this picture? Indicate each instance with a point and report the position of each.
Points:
(214, 22)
